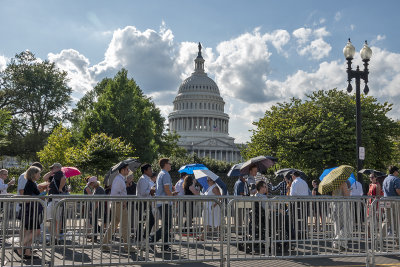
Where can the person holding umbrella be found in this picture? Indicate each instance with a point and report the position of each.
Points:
(335, 182)
(212, 211)
(118, 188)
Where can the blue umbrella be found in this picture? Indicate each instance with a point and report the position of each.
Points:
(189, 168)
(352, 178)
(235, 170)
(201, 177)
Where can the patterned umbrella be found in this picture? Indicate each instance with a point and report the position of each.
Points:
(334, 179)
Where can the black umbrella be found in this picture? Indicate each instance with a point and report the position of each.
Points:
(283, 172)
(235, 170)
(133, 164)
(262, 162)
(369, 171)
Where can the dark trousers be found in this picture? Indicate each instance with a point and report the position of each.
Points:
(142, 212)
(165, 213)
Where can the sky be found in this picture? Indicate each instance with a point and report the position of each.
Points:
(258, 52)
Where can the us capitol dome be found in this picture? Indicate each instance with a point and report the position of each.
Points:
(198, 117)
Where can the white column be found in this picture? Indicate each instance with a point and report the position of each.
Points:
(197, 124)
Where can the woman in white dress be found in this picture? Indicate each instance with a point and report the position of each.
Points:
(212, 211)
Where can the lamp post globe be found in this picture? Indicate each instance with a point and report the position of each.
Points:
(349, 50)
(366, 52)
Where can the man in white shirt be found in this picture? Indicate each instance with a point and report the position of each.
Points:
(144, 189)
(356, 189)
(119, 211)
(299, 187)
(4, 186)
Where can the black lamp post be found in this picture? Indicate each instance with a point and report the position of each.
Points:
(358, 74)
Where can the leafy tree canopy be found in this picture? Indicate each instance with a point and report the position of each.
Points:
(37, 96)
(119, 108)
(5, 121)
(100, 153)
(320, 132)
(58, 148)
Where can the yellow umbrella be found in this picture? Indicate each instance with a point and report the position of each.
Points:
(334, 179)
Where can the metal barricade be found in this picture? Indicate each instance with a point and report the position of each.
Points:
(111, 231)
(106, 231)
(23, 233)
(384, 225)
(284, 228)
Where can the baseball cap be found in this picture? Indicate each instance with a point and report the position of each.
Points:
(91, 180)
(56, 165)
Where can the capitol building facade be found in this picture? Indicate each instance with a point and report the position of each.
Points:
(199, 119)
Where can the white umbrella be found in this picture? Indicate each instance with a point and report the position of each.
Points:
(201, 177)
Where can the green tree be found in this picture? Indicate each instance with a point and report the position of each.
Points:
(320, 132)
(169, 145)
(119, 108)
(100, 153)
(5, 121)
(37, 95)
(58, 148)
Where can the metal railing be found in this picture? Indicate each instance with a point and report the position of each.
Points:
(111, 231)
(384, 222)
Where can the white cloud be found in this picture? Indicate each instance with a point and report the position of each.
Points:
(322, 20)
(241, 67)
(3, 62)
(338, 16)
(278, 38)
(148, 56)
(380, 37)
(352, 27)
(302, 35)
(317, 48)
(81, 79)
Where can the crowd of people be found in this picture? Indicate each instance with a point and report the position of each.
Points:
(151, 184)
